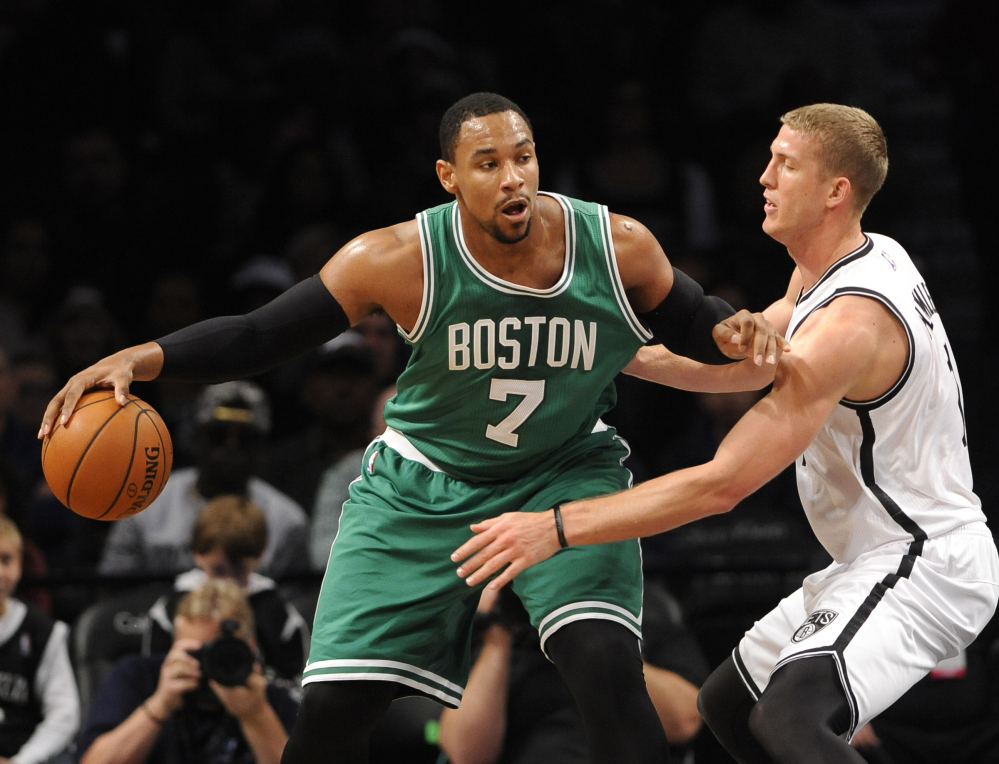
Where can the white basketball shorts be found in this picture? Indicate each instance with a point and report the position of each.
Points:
(887, 618)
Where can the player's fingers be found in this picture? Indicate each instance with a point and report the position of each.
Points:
(493, 565)
(51, 412)
(121, 389)
(71, 397)
(480, 559)
(771, 352)
(484, 525)
(747, 328)
(472, 546)
(506, 576)
(761, 338)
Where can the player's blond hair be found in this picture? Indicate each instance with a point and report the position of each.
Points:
(852, 145)
(219, 600)
(8, 530)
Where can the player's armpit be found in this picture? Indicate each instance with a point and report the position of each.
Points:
(655, 363)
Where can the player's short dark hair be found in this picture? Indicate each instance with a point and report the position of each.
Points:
(469, 107)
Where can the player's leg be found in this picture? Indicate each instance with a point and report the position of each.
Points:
(392, 618)
(335, 721)
(586, 603)
(725, 703)
(601, 663)
(803, 714)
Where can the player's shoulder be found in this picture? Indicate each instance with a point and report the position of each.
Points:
(384, 245)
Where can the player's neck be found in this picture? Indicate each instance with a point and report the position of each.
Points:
(817, 251)
(535, 261)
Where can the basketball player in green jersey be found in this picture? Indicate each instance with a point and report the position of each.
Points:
(520, 308)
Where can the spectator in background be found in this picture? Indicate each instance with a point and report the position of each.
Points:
(517, 710)
(231, 424)
(161, 709)
(25, 284)
(82, 332)
(229, 538)
(175, 302)
(337, 392)
(39, 705)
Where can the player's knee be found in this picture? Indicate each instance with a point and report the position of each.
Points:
(353, 706)
(599, 660)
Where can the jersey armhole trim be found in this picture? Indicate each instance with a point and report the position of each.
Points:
(427, 250)
(910, 362)
(617, 285)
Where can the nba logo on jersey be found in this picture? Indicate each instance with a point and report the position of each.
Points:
(891, 262)
(815, 622)
(371, 463)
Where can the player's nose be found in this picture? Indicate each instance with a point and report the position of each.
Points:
(512, 177)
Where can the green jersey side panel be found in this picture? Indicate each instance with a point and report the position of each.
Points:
(502, 375)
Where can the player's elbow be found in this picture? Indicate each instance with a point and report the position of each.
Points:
(684, 726)
(723, 491)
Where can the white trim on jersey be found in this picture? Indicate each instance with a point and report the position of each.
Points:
(508, 287)
(427, 248)
(617, 285)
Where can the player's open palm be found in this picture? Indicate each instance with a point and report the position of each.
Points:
(748, 334)
(514, 541)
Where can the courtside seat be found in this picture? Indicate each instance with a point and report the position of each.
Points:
(107, 631)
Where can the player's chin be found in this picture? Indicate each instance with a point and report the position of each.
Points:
(510, 232)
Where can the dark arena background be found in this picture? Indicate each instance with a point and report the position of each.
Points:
(164, 162)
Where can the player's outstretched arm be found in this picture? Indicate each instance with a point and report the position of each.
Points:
(833, 353)
(380, 269)
(655, 363)
(688, 322)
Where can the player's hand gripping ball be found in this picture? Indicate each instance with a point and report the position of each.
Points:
(109, 461)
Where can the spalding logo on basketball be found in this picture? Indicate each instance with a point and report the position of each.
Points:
(110, 461)
(817, 621)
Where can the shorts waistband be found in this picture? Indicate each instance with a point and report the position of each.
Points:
(402, 446)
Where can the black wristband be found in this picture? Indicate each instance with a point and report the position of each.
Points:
(558, 526)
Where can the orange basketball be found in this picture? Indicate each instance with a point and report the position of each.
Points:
(110, 461)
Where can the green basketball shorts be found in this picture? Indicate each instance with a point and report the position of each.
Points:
(392, 607)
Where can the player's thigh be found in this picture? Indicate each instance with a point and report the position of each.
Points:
(391, 602)
(925, 617)
(759, 651)
(601, 581)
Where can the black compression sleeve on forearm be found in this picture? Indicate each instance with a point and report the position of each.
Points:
(232, 347)
(684, 320)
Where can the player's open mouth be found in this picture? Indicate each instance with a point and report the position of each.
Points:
(769, 206)
(515, 211)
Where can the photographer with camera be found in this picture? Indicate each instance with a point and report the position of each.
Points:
(205, 701)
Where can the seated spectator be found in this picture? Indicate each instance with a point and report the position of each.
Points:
(231, 422)
(334, 489)
(516, 708)
(161, 708)
(337, 391)
(229, 538)
(39, 704)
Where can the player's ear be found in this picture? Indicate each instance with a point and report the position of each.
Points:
(839, 192)
(445, 174)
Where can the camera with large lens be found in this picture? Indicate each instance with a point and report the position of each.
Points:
(227, 659)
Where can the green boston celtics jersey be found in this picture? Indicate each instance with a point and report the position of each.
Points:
(502, 376)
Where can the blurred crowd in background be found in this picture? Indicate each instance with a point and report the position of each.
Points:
(171, 160)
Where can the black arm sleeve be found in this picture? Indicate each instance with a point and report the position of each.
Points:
(232, 347)
(684, 320)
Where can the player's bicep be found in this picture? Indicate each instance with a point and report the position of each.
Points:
(811, 381)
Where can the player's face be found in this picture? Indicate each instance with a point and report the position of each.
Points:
(796, 187)
(495, 172)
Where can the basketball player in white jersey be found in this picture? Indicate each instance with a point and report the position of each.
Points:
(868, 405)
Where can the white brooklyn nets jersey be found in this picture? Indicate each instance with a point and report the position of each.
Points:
(895, 468)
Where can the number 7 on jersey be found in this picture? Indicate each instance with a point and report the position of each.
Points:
(533, 391)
